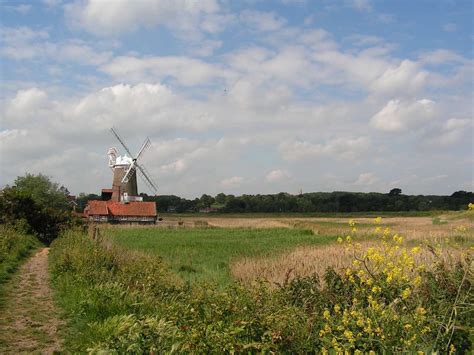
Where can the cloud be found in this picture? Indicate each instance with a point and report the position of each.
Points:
(399, 116)
(18, 42)
(452, 132)
(450, 27)
(175, 167)
(361, 40)
(24, 43)
(406, 78)
(277, 175)
(231, 182)
(345, 148)
(22, 8)
(367, 179)
(442, 56)
(262, 21)
(185, 70)
(361, 5)
(27, 104)
(111, 18)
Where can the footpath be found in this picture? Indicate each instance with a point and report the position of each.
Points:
(29, 321)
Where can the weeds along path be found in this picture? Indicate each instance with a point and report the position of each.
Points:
(29, 321)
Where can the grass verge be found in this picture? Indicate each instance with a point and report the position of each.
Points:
(15, 247)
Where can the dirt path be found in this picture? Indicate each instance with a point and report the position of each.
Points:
(28, 319)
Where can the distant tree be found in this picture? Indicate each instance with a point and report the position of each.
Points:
(83, 198)
(395, 192)
(206, 201)
(43, 191)
(235, 205)
(220, 198)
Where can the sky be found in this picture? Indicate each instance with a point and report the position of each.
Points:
(241, 97)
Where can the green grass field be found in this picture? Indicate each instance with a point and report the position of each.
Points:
(205, 254)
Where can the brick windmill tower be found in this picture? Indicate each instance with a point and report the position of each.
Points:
(121, 204)
(124, 185)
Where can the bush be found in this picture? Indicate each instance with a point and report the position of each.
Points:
(40, 204)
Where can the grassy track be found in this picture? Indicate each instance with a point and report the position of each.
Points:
(14, 248)
(204, 254)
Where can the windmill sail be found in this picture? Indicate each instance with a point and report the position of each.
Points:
(121, 142)
(145, 177)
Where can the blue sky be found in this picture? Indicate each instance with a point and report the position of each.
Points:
(241, 96)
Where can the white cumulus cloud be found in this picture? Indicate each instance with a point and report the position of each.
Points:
(277, 175)
(399, 116)
(233, 181)
(347, 148)
(119, 16)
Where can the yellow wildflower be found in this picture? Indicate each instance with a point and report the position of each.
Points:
(326, 314)
(406, 293)
(378, 220)
(349, 335)
(417, 281)
(376, 289)
(452, 349)
(339, 240)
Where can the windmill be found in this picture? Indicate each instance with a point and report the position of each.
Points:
(124, 187)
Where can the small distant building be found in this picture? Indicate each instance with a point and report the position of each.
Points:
(120, 212)
(71, 200)
(208, 210)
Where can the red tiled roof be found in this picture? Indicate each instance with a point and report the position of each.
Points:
(135, 208)
(96, 207)
(108, 190)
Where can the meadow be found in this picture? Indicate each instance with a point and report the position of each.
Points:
(205, 254)
(277, 284)
(222, 248)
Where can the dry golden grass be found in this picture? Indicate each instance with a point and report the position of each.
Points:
(305, 261)
(409, 227)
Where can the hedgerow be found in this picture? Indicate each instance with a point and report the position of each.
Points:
(122, 301)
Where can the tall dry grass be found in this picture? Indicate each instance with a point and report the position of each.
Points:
(308, 260)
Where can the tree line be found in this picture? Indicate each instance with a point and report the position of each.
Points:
(42, 207)
(338, 201)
